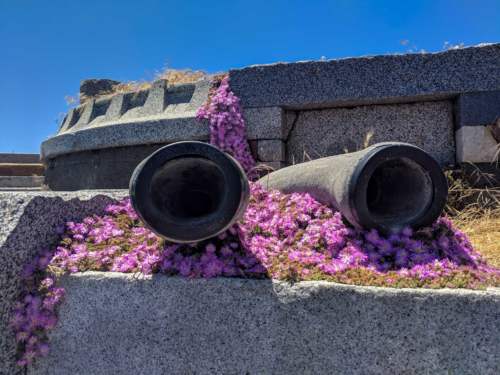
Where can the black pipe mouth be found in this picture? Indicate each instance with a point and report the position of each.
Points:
(189, 191)
(397, 185)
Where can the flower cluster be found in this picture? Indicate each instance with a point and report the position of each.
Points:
(35, 313)
(283, 236)
(227, 126)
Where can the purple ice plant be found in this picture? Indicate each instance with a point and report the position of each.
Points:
(227, 126)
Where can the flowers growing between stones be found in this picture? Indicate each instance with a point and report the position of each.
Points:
(227, 126)
(288, 237)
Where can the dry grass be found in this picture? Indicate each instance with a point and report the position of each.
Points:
(173, 76)
(476, 210)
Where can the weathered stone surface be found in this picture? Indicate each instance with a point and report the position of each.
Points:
(495, 130)
(266, 123)
(19, 158)
(271, 150)
(28, 222)
(124, 324)
(477, 108)
(156, 101)
(319, 133)
(475, 144)
(148, 130)
(96, 169)
(20, 181)
(369, 80)
(21, 169)
(93, 87)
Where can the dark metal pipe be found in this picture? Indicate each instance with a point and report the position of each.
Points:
(189, 191)
(386, 186)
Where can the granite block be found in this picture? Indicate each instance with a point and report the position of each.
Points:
(28, 222)
(124, 324)
(476, 144)
(87, 114)
(477, 108)
(265, 123)
(271, 150)
(20, 181)
(319, 133)
(369, 80)
(109, 168)
(156, 100)
(116, 108)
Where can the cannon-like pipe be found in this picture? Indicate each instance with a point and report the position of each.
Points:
(189, 191)
(386, 186)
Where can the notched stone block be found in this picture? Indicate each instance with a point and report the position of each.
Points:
(157, 98)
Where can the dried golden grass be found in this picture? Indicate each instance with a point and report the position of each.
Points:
(173, 76)
(476, 210)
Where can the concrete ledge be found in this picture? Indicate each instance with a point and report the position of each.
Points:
(28, 222)
(369, 80)
(19, 158)
(21, 169)
(123, 324)
(21, 181)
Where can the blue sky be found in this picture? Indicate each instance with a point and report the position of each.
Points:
(47, 47)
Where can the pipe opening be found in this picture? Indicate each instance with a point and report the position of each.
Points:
(188, 188)
(398, 192)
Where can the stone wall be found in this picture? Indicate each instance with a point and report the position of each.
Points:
(28, 222)
(123, 324)
(443, 102)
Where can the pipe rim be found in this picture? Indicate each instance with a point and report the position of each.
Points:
(358, 185)
(235, 199)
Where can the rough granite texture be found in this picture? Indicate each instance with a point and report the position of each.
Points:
(27, 224)
(319, 133)
(476, 144)
(271, 150)
(371, 79)
(123, 324)
(477, 108)
(109, 168)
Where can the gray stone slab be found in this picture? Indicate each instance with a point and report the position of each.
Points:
(271, 150)
(117, 108)
(27, 224)
(130, 132)
(476, 144)
(109, 168)
(123, 324)
(19, 158)
(265, 123)
(20, 181)
(319, 133)
(156, 100)
(367, 80)
(477, 108)
(68, 121)
(87, 114)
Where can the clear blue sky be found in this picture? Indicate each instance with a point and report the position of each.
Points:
(47, 47)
